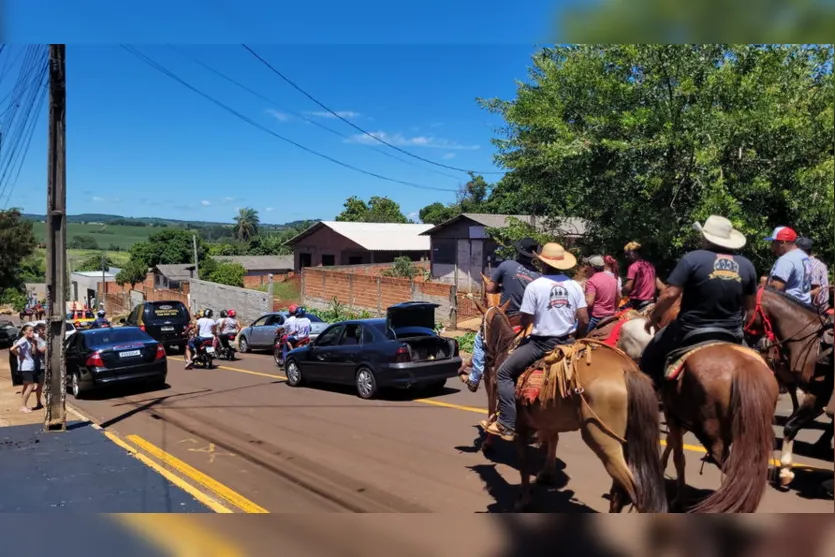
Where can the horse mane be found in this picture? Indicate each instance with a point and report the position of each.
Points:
(788, 297)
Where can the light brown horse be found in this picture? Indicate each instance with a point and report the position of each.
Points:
(616, 413)
(794, 332)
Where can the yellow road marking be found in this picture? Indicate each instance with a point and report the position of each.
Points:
(179, 535)
(772, 462)
(239, 370)
(192, 473)
(450, 405)
(174, 479)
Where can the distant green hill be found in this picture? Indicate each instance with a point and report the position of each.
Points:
(99, 218)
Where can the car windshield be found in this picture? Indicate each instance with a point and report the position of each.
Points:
(102, 337)
(168, 311)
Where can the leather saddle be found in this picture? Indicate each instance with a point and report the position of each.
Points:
(698, 338)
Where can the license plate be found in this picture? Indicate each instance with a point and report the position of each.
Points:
(130, 353)
(210, 350)
(166, 329)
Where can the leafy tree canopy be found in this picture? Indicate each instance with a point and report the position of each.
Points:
(168, 246)
(95, 263)
(132, 273)
(222, 272)
(643, 140)
(474, 197)
(246, 224)
(17, 242)
(378, 209)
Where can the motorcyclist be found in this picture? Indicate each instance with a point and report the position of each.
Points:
(227, 325)
(206, 328)
(101, 320)
(290, 329)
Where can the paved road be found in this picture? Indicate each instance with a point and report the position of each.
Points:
(325, 450)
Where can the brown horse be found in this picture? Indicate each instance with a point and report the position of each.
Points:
(793, 333)
(615, 411)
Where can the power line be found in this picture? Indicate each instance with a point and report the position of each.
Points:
(301, 116)
(251, 122)
(356, 127)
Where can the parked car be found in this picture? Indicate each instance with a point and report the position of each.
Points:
(117, 355)
(81, 318)
(165, 321)
(403, 350)
(261, 334)
(16, 377)
(8, 333)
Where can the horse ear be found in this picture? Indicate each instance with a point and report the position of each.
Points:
(505, 305)
(484, 278)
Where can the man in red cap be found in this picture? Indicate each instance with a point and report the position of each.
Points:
(792, 272)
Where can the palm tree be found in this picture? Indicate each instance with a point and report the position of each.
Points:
(246, 224)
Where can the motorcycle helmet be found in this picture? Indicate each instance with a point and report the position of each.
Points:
(300, 312)
(207, 313)
(223, 313)
(198, 314)
(101, 313)
(293, 309)
(231, 313)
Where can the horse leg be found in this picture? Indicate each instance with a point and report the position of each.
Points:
(610, 453)
(548, 475)
(492, 401)
(525, 497)
(675, 444)
(810, 409)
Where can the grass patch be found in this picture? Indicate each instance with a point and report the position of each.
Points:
(106, 235)
(287, 290)
(76, 256)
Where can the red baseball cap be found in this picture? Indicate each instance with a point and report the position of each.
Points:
(782, 234)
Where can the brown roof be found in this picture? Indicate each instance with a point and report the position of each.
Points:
(176, 272)
(567, 226)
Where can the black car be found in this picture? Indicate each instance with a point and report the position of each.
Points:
(117, 355)
(403, 350)
(164, 321)
(8, 333)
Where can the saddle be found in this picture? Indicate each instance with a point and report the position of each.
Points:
(697, 340)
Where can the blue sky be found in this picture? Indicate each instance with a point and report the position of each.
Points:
(140, 144)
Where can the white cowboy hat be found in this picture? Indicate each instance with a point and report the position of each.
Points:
(556, 256)
(720, 232)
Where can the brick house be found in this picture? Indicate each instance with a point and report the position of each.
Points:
(170, 276)
(259, 267)
(461, 249)
(329, 243)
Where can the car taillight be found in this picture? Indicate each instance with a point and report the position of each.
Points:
(142, 328)
(95, 360)
(402, 355)
(160, 352)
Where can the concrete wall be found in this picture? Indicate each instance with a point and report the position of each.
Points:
(249, 304)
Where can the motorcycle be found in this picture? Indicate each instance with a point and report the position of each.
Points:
(204, 355)
(226, 351)
(281, 341)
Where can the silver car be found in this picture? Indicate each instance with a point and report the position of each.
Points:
(70, 327)
(261, 334)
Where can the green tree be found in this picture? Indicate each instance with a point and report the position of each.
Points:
(436, 213)
(168, 246)
(378, 209)
(17, 242)
(222, 272)
(271, 244)
(246, 224)
(513, 232)
(83, 242)
(95, 263)
(643, 140)
(132, 273)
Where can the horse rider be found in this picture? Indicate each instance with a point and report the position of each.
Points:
(510, 278)
(556, 305)
(792, 272)
(601, 291)
(818, 276)
(640, 278)
(717, 288)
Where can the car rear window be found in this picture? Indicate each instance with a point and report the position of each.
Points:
(101, 337)
(167, 311)
(313, 318)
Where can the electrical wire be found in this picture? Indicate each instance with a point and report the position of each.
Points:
(356, 127)
(303, 117)
(133, 51)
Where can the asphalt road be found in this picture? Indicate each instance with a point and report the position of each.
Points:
(286, 449)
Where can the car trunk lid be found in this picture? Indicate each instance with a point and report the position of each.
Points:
(411, 314)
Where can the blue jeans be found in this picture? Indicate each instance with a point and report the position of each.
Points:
(593, 321)
(284, 351)
(197, 341)
(478, 360)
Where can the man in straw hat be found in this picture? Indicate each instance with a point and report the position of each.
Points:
(510, 278)
(717, 287)
(555, 304)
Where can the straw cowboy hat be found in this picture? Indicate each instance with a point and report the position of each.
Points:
(720, 232)
(556, 256)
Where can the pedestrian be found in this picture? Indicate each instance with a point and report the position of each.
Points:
(28, 353)
(820, 278)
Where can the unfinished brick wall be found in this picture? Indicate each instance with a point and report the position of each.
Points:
(119, 300)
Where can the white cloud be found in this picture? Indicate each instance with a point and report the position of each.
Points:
(97, 198)
(342, 113)
(413, 215)
(280, 116)
(448, 156)
(401, 140)
(228, 199)
(205, 203)
(268, 209)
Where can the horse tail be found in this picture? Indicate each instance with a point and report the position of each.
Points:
(642, 440)
(753, 401)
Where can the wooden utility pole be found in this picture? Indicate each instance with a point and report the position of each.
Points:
(56, 243)
(196, 263)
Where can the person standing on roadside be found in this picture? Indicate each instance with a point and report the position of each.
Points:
(28, 356)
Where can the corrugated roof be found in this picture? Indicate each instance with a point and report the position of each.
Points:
(375, 236)
(260, 262)
(92, 274)
(176, 272)
(566, 226)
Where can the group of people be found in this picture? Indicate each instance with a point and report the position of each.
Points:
(297, 328)
(204, 328)
(716, 284)
(30, 351)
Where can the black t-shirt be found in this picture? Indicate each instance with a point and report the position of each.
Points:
(512, 277)
(715, 285)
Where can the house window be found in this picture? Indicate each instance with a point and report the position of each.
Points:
(328, 260)
(355, 260)
(443, 251)
(305, 260)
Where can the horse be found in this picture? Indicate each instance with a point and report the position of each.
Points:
(726, 395)
(793, 332)
(609, 401)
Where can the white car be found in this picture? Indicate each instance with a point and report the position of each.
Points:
(69, 332)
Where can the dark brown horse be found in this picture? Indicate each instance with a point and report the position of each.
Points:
(616, 412)
(793, 333)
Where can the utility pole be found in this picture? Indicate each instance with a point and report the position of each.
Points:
(56, 243)
(103, 281)
(196, 263)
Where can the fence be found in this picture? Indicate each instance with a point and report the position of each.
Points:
(374, 294)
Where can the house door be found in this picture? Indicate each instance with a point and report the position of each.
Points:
(305, 260)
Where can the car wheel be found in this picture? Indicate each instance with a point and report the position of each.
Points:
(366, 383)
(78, 391)
(243, 345)
(294, 373)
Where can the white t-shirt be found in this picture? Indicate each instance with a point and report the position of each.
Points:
(227, 325)
(26, 359)
(204, 327)
(553, 301)
(290, 325)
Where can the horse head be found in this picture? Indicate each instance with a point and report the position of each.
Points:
(491, 299)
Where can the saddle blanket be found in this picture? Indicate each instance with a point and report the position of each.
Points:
(614, 334)
(529, 384)
(674, 367)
